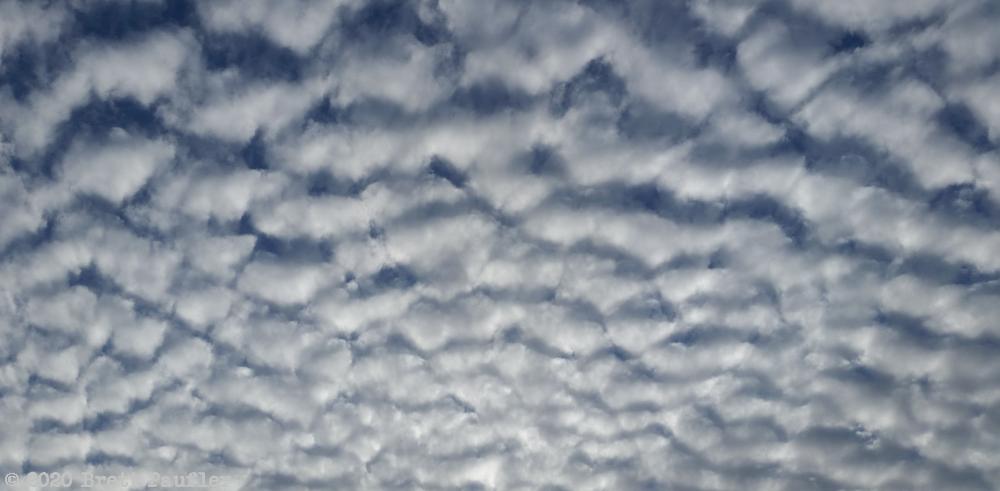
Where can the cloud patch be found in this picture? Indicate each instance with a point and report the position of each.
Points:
(499, 245)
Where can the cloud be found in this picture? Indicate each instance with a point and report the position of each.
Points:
(282, 283)
(22, 214)
(144, 70)
(299, 26)
(238, 117)
(114, 170)
(496, 245)
(31, 23)
(884, 15)
(788, 69)
(982, 98)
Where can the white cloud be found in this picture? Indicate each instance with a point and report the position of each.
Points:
(900, 122)
(788, 70)
(140, 339)
(625, 259)
(406, 77)
(297, 25)
(238, 116)
(220, 256)
(571, 36)
(27, 22)
(744, 128)
(114, 170)
(727, 17)
(318, 218)
(143, 70)
(286, 284)
(968, 37)
(859, 14)
(21, 214)
(203, 307)
(223, 197)
(984, 100)
(672, 85)
(351, 154)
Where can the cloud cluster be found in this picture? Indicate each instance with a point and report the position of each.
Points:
(438, 244)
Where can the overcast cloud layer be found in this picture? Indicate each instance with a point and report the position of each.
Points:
(439, 244)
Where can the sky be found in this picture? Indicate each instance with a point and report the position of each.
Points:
(501, 244)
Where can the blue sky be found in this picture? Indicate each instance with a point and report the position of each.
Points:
(440, 244)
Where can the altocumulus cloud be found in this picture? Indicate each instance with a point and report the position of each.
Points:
(440, 244)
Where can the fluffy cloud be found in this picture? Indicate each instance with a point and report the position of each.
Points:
(114, 170)
(498, 245)
(143, 69)
(299, 25)
(28, 23)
